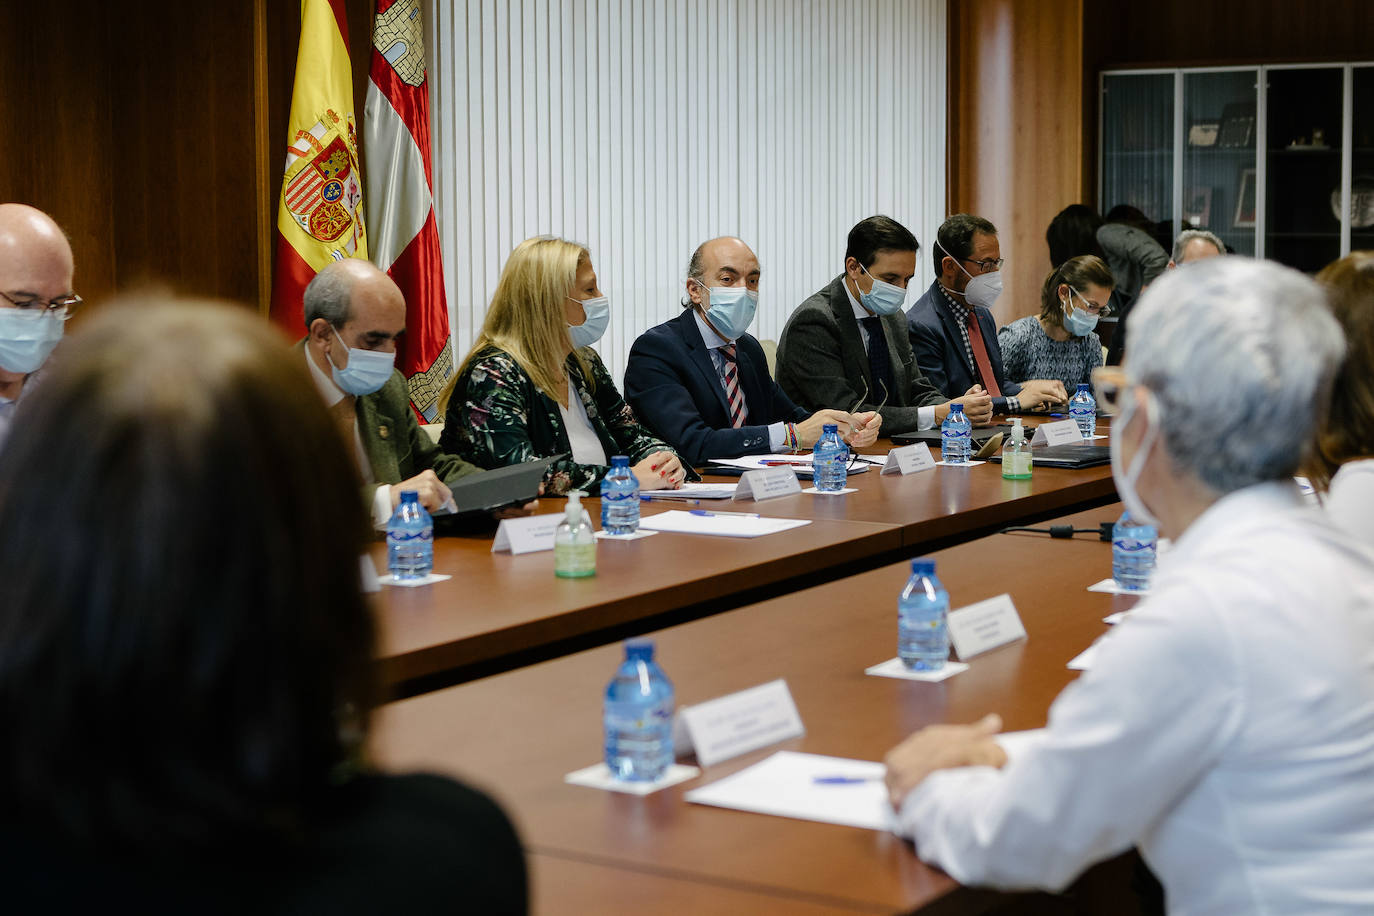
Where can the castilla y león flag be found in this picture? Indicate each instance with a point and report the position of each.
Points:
(320, 214)
(400, 210)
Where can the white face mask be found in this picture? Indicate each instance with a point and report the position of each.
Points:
(365, 372)
(981, 290)
(597, 314)
(882, 298)
(1126, 479)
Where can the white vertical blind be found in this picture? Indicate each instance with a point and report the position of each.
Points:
(644, 127)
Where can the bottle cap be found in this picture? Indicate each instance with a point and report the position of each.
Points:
(573, 512)
(923, 567)
(1083, 386)
(620, 461)
(639, 650)
(829, 428)
(1018, 432)
(410, 496)
(956, 408)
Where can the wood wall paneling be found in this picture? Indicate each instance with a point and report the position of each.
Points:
(1016, 136)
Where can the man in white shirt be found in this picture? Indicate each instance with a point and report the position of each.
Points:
(354, 314)
(1226, 727)
(36, 299)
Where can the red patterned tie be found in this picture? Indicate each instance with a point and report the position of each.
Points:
(980, 355)
(738, 412)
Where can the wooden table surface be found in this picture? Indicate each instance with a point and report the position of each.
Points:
(518, 733)
(500, 611)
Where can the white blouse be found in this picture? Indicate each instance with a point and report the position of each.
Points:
(586, 447)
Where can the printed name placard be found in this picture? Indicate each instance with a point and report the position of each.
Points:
(1060, 432)
(527, 535)
(909, 459)
(767, 483)
(740, 722)
(986, 625)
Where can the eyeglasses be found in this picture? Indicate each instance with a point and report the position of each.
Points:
(1110, 387)
(987, 264)
(863, 397)
(1089, 306)
(59, 308)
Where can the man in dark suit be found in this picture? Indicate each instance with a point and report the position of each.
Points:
(951, 327)
(353, 315)
(847, 344)
(702, 384)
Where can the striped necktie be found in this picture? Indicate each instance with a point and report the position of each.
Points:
(738, 412)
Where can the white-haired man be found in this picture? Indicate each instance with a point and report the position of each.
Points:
(1196, 245)
(1226, 727)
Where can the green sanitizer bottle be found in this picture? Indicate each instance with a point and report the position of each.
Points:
(1016, 453)
(574, 544)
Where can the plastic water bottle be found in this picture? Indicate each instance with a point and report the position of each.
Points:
(922, 612)
(1083, 410)
(620, 498)
(1133, 553)
(1016, 453)
(638, 716)
(574, 543)
(830, 460)
(956, 436)
(410, 539)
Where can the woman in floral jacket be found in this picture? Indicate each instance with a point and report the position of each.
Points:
(532, 386)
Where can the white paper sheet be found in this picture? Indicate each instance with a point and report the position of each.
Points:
(598, 776)
(799, 463)
(893, 667)
(430, 579)
(1109, 587)
(731, 526)
(784, 785)
(1084, 660)
(840, 492)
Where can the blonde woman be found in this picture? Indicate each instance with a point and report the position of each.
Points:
(533, 387)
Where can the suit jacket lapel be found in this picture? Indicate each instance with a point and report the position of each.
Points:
(701, 358)
(373, 427)
(952, 330)
(851, 343)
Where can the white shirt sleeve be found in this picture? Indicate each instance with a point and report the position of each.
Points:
(925, 418)
(1123, 744)
(381, 506)
(776, 436)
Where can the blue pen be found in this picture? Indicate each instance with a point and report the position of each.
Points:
(843, 780)
(1054, 415)
(736, 514)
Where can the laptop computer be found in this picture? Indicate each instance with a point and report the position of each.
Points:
(1067, 456)
(934, 439)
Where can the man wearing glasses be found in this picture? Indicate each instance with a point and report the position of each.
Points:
(36, 299)
(847, 344)
(952, 331)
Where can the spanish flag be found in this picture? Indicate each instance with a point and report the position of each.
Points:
(320, 212)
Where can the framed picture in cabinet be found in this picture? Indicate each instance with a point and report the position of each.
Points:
(1245, 201)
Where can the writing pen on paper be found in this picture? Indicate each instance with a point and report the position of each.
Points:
(708, 512)
(783, 462)
(843, 780)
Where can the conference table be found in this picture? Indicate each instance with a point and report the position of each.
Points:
(590, 851)
(500, 611)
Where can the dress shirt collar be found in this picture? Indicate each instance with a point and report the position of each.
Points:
(709, 337)
(961, 311)
(859, 311)
(1262, 503)
(331, 392)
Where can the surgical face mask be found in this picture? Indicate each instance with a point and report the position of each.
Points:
(598, 316)
(981, 290)
(732, 309)
(1126, 479)
(1080, 321)
(884, 298)
(367, 370)
(27, 337)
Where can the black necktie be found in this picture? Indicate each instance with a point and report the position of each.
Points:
(879, 360)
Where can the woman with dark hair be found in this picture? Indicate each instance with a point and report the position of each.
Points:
(1344, 461)
(1059, 343)
(186, 658)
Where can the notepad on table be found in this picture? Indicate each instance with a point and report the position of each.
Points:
(693, 491)
(731, 526)
(785, 785)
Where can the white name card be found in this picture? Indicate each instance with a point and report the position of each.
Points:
(527, 535)
(767, 483)
(1060, 432)
(909, 459)
(986, 625)
(740, 722)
